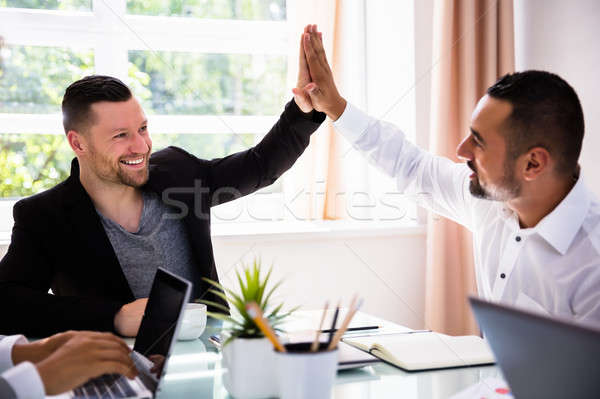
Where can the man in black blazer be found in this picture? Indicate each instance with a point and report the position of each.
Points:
(92, 239)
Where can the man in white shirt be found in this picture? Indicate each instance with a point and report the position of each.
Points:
(59, 363)
(535, 225)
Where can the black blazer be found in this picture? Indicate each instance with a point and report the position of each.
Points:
(58, 240)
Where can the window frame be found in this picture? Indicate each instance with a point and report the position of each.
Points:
(111, 33)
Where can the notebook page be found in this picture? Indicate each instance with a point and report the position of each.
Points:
(426, 350)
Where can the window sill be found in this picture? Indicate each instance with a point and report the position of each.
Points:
(302, 230)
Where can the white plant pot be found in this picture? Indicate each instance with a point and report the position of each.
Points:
(250, 364)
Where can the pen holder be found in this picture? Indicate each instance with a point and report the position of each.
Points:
(303, 374)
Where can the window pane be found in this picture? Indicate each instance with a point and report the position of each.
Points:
(71, 5)
(189, 83)
(206, 146)
(30, 163)
(33, 79)
(209, 146)
(215, 9)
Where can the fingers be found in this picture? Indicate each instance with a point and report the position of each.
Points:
(302, 100)
(111, 367)
(317, 67)
(302, 57)
(104, 339)
(309, 50)
(114, 355)
(316, 39)
(113, 338)
(111, 342)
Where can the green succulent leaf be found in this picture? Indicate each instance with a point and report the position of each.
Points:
(252, 288)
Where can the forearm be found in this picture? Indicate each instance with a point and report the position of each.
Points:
(435, 182)
(384, 144)
(247, 171)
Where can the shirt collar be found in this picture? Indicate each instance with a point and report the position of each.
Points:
(560, 226)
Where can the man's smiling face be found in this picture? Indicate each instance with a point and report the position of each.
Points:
(485, 150)
(118, 142)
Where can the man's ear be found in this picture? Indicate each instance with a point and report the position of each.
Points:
(537, 161)
(77, 142)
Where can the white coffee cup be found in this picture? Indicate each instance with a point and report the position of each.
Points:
(306, 375)
(193, 322)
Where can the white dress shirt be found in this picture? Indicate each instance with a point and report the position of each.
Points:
(23, 378)
(553, 267)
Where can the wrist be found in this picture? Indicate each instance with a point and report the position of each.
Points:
(32, 352)
(337, 109)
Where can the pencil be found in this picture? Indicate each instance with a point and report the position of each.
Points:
(335, 316)
(315, 344)
(342, 329)
(257, 315)
(352, 329)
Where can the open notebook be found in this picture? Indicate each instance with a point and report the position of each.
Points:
(424, 351)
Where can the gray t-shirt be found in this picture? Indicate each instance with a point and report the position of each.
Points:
(159, 241)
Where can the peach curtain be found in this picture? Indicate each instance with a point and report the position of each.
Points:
(318, 175)
(473, 46)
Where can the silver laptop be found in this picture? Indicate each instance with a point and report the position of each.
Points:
(540, 356)
(153, 345)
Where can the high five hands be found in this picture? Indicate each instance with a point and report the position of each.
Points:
(316, 87)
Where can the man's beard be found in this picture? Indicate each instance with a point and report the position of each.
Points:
(507, 189)
(106, 170)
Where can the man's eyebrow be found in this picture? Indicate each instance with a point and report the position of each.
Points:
(477, 135)
(145, 122)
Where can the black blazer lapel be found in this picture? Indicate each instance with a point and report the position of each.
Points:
(90, 240)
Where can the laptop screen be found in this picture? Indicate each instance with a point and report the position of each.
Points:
(168, 296)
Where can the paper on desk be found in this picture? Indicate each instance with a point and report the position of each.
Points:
(488, 388)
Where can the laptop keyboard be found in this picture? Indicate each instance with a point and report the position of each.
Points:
(105, 386)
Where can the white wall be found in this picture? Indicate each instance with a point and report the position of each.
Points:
(562, 37)
(384, 267)
(386, 270)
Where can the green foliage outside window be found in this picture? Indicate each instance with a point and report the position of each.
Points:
(172, 83)
(71, 5)
(216, 9)
(33, 80)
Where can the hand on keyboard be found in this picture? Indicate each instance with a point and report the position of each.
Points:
(86, 355)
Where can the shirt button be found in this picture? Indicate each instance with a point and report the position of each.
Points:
(518, 238)
(502, 275)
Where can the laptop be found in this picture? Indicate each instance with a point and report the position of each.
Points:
(540, 356)
(153, 345)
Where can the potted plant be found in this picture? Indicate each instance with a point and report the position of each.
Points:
(247, 354)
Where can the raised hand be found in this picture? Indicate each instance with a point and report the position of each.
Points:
(301, 96)
(323, 93)
(84, 356)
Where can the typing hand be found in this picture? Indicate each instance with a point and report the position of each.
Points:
(128, 319)
(323, 93)
(84, 356)
(40, 350)
(301, 96)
